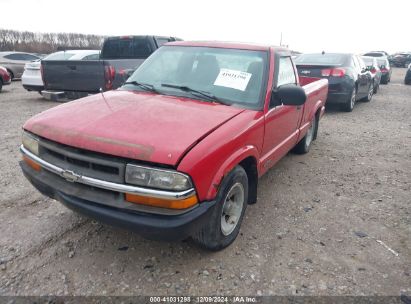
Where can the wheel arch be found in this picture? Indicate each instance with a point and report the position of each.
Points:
(247, 158)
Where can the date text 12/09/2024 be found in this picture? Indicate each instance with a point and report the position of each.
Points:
(203, 299)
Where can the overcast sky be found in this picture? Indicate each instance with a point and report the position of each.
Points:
(307, 26)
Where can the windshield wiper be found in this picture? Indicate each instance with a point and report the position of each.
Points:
(145, 86)
(207, 95)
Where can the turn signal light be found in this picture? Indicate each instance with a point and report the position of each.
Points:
(162, 203)
(31, 163)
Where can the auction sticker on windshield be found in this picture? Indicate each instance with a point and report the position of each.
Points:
(232, 79)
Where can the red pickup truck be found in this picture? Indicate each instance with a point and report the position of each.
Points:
(178, 149)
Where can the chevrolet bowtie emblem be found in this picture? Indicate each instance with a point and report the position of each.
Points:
(70, 176)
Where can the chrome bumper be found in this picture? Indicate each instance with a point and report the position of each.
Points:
(73, 177)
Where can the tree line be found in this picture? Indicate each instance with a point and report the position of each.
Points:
(46, 43)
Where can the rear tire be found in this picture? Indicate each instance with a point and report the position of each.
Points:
(368, 98)
(225, 221)
(305, 144)
(1, 84)
(349, 105)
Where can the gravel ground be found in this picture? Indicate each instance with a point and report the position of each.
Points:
(316, 229)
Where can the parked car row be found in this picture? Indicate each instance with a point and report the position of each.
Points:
(349, 78)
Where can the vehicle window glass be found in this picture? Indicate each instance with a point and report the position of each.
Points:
(234, 76)
(14, 57)
(286, 74)
(161, 41)
(29, 57)
(126, 48)
(59, 56)
(334, 59)
(91, 57)
(368, 61)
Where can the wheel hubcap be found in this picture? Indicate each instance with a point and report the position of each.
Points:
(232, 208)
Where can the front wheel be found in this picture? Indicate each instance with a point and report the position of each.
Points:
(305, 144)
(225, 221)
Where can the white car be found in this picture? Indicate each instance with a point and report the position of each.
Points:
(32, 80)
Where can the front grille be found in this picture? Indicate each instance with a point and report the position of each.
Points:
(82, 162)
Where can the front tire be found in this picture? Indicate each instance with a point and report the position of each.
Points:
(225, 221)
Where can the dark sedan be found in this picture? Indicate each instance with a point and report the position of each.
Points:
(407, 79)
(401, 60)
(349, 78)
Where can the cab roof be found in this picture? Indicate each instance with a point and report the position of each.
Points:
(228, 45)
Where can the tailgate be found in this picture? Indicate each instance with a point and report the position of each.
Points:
(73, 75)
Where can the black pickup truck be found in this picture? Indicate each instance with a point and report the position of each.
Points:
(119, 57)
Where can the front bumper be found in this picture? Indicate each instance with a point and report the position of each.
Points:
(172, 226)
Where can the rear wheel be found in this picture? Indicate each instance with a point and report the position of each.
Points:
(1, 84)
(349, 105)
(370, 93)
(225, 221)
(305, 144)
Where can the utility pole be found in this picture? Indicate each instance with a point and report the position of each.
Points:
(281, 39)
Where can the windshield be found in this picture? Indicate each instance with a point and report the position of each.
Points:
(368, 61)
(232, 76)
(334, 59)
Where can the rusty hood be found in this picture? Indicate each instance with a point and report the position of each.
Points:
(130, 124)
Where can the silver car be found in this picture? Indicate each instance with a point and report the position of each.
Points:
(14, 62)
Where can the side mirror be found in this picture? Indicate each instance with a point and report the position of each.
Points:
(289, 95)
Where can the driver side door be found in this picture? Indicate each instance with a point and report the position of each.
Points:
(281, 121)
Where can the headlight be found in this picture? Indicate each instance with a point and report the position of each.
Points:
(157, 178)
(30, 142)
